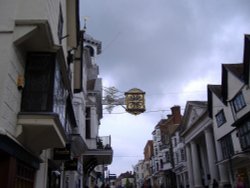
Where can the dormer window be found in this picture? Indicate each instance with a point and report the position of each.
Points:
(220, 118)
(238, 102)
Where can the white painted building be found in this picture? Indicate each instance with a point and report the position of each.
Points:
(179, 155)
(162, 160)
(88, 103)
(35, 89)
(50, 96)
(229, 107)
(139, 173)
(199, 145)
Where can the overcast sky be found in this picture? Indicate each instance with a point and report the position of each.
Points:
(171, 49)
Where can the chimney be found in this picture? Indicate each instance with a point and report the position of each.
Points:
(176, 112)
(169, 116)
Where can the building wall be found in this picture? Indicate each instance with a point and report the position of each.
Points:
(12, 63)
(15, 15)
(226, 127)
(139, 173)
(234, 85)
(7, 14)
(10, 95)
(40, 10)
(79, 106)
(246, 93)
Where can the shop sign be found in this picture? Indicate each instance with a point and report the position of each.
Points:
(62, 153)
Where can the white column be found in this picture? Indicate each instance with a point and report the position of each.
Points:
(189, 166)
(211, 155)
(185, 179)
(196, 167)
(204, 163)
(223, 170)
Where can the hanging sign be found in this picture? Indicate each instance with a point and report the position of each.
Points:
(135, 101)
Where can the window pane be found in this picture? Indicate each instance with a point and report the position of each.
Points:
(244, 135)
(239, 102)
(220, 118)
(59, 99)
(37, 95)
(227, 147)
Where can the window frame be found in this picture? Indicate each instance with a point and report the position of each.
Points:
(244, 135)
(238, 102)
(38, 91)
(220, 118)
(227, 148)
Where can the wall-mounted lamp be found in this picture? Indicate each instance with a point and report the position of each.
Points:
(20, 82)
(70, 56)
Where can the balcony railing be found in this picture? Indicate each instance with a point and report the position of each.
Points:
(103, 142)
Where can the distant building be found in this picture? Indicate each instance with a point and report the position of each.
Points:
(162, 160)
(147, 163)
(139, 174)
(179, 155)
(126, 179)
(112, 180)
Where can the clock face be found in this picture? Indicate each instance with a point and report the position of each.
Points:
(135, 103)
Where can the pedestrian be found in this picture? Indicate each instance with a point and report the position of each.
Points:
(240, 182)
(215, 184)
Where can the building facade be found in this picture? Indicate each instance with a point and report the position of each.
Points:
(50, 107)
(179, 157)
(36, 92)
(147, 163)
(229, 109)
(139, 174)
(162, 160)
(211, 146)
(199, 145)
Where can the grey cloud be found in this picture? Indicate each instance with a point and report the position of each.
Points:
(161, 45)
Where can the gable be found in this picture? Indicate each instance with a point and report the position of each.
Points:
(193, 111)
(234, 85)
(246, 59)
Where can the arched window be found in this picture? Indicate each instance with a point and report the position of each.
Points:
(91, 50)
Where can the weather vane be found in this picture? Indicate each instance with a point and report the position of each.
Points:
(133, 101)
(85, 18)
